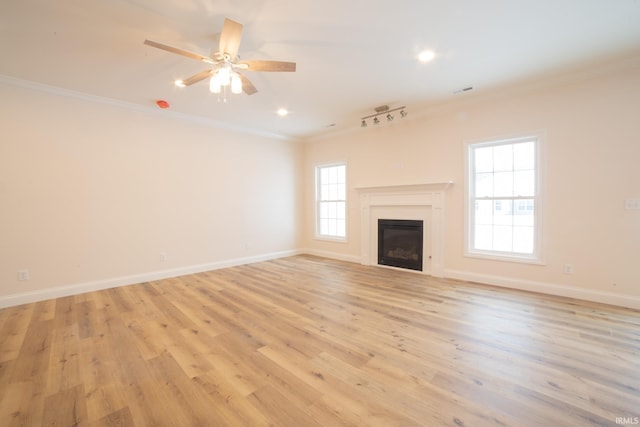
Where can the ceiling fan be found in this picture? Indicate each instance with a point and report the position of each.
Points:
(226, 63)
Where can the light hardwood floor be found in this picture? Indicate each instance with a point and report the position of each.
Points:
(306, 341)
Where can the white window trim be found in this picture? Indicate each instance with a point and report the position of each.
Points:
(316, 205)
(538, 255)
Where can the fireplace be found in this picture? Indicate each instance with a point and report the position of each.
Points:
(400, 243)
(424, 202)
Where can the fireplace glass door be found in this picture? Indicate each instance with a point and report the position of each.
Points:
(400, 243)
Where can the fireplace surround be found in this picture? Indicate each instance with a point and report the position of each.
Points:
(413, 202)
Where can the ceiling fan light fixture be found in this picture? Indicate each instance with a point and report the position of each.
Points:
(236, 84)
(224, 74)
(225, 62)
(214, 84)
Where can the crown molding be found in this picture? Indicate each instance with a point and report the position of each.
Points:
(131, 106)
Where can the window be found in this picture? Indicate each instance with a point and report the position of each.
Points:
(331, 201)
(504, 199)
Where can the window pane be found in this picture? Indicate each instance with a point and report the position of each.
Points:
(333, 176)
(484, 185)
(524, 156)
(342, 174)
(340, 210)
(341, 229)
(502, 238)
(332, 227)
(324, 192)
(484, 212)
(503, 158)
(483, 159)
(524, 183)
(523, 240)
(324, 211)
(523, 212)
(324, 175)
(324, 226)
(502, 212)
(332, 210)
(333, 192)
(503, 184)
(483, 237)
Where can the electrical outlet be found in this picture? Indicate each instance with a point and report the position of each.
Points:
(163, 256)
(568, 269)
(23, 275)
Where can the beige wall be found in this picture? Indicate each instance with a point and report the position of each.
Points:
(92, 193)
(591, 128)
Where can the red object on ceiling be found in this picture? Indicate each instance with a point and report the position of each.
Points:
(162, 103)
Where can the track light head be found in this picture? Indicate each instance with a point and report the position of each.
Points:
(376, 120)
(403, 114)
(389, 117)
(363, 124)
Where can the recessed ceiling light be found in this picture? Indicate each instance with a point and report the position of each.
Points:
(179, 83)
(426, 55)
(282, 112)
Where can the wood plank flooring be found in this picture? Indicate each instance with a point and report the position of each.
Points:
(307, 341)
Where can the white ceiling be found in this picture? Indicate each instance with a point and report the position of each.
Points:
(351, 55)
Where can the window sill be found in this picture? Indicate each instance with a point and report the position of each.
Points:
(331, 239)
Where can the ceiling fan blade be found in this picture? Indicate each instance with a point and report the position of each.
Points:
(197, 77)
(179, 51)
(230, 38)
(259, 65)
(247, 86)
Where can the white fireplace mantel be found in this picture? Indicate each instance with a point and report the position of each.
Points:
(432, 186)
(395, 199)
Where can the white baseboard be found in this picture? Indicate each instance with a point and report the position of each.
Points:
(620, 300)
(603, 297)
(332, 255)
(80, 288)
(506, 282)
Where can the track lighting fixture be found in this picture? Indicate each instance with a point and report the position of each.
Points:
(383, 109)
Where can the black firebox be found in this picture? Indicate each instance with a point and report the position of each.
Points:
(400, 243)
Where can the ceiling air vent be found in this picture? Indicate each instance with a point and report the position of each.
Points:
(464, 89)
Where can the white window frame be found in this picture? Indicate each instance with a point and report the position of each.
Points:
(536, 257)
(317, 171)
